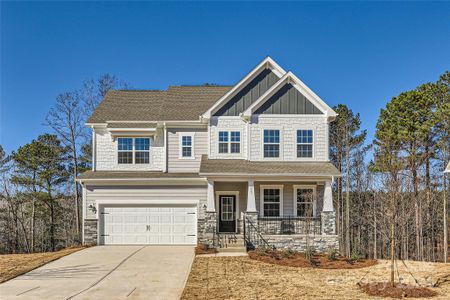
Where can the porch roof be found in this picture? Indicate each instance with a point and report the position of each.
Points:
(265, 168)
(123, 175)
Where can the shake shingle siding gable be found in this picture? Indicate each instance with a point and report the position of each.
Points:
(249, 94)
(178, 103)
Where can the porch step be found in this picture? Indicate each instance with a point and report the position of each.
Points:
(232, 249)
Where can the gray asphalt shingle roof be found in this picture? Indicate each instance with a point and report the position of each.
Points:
(245, 167)
(178, 103)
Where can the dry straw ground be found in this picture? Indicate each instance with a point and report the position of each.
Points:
(243, 278)
(13, 265)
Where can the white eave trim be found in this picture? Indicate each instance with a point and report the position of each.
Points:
(289, 77)
(266, 63)
(269, 175)
(447, 170)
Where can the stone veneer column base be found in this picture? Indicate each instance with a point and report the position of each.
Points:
(207, 228)
(328, 222)
(90, 232)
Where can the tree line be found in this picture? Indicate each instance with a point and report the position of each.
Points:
(389, 201)
(40, 200)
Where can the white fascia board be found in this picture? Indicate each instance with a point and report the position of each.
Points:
(131, 129)
(267, 62)
(447, 170)
(95, 124)
(273, 176)
(290, 77)
(144, 181)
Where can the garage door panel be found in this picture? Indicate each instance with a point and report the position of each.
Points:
(149, 225)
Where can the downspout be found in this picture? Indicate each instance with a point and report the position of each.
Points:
(166, 152)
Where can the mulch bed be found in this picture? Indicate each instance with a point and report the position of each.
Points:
(318, 261)
(202, 249)
(399, 290)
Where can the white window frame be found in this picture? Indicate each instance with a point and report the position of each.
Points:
(229, 131)
(133, 149)
(304, 186)
(280, 157)
(313, 142)
(261, 198)
(180, 145)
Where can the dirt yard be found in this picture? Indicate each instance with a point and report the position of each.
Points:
(244, 278)
(13, 265)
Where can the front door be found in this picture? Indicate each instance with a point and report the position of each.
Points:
(227, 213)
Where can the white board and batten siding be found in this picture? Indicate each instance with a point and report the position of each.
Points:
(176, 164)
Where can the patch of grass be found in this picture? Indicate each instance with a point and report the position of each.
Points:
(13, 265)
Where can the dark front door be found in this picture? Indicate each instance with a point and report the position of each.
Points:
(227, 213)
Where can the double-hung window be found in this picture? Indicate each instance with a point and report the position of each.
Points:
(271, 143)
(133, 150)
(229, 141)
(305, 201)
(305, 143)
(271, 201)
(142, 150)
(186, 146)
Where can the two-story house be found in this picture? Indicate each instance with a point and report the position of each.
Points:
(192, 164)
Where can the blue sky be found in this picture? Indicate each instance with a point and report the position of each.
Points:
(357, 53)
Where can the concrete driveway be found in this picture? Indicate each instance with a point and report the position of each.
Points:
(107, 272)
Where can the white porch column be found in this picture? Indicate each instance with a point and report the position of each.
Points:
(251, 202)
(210, 203)
(328, 197)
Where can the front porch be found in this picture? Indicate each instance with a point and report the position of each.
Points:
(296, 213)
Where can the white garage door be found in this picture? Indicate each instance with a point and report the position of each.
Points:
(158, 225)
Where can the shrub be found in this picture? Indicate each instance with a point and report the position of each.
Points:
(356, 255)
(263, 250)
(332, 254)
(309, 253)
(287, 252)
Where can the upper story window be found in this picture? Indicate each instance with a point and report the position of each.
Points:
(229, 141)
(142, 150)
(133, 150)
(271, 201)
(304, 143)
(271, 143)
(305, 201)
(187, 146)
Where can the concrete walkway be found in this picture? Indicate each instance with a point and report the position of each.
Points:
(107, 272)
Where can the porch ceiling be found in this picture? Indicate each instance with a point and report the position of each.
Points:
(240, 167)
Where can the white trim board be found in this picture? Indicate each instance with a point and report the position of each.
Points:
(294, 198)
(237, 214)
(261, 197)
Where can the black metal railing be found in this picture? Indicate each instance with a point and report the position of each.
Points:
(288, 225)
(252, 236)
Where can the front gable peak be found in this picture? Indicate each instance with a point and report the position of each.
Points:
(248, 90)
(289, 95)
